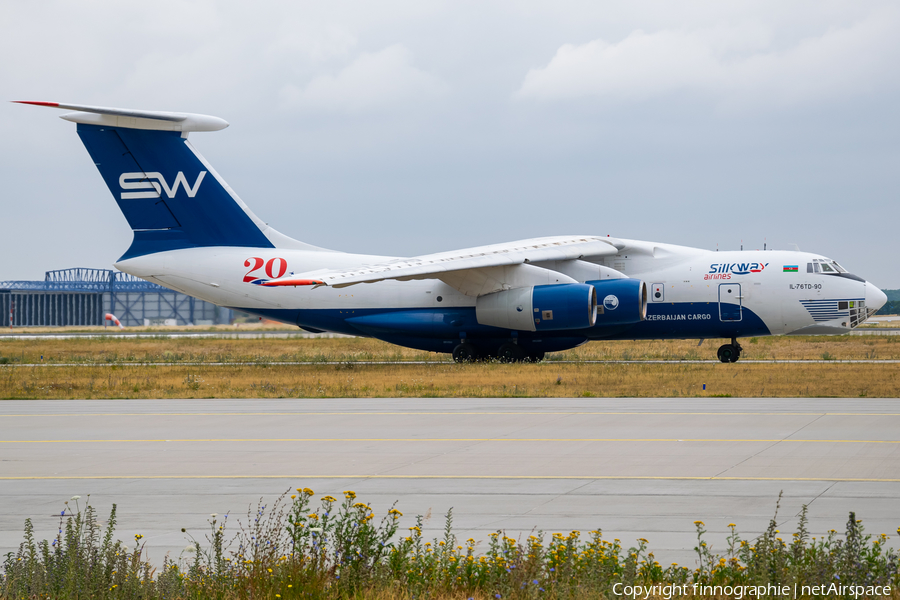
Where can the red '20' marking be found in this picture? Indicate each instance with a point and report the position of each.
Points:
(258, 262)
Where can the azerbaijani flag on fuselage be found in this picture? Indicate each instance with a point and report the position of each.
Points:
(791, 269)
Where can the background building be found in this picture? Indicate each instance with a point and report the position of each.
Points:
(84, 296)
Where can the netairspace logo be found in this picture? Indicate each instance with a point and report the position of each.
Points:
(611, 302)
(157, 183)
(670, 591)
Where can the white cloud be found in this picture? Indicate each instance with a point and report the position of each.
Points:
(374, 81)
(732, 65)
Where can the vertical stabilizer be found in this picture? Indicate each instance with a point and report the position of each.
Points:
(170, 195)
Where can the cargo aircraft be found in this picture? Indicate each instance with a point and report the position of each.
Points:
(513, 301)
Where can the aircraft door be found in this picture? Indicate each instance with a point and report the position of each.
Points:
(658, 292)
(730, 302)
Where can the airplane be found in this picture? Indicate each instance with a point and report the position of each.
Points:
(512, 301)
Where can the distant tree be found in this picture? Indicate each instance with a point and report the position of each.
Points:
(892, 307)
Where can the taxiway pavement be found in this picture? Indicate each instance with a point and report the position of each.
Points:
(631, 467)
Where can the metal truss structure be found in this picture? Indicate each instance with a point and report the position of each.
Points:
(83, 296)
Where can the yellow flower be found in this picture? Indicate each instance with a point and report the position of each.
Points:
(698, 523)
(350, 494)
(329, 499)
(732, 525)
(308, 491)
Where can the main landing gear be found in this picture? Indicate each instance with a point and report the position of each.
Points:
(465, 352)
(508, 353)
(730, 352)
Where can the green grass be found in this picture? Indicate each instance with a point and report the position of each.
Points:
(339, 550)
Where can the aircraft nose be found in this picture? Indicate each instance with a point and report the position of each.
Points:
(875, 298)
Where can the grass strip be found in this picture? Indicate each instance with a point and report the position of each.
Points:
(448, 380)
(116, 350)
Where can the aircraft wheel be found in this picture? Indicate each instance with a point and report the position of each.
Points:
(465, 353)
(728, 353)
(510, 352)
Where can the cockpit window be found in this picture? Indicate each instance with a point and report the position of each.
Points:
(824, 265)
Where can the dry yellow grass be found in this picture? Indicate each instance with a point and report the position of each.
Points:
(105, 368)
(452, 380)
(158, 349)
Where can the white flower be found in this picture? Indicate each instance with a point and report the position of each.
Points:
(214, 515)
(74, 497)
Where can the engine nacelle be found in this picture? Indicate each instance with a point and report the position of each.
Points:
(540, 308)
(620, 301)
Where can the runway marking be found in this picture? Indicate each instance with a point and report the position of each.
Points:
(483, 477)
(501, 439)
(461, 413)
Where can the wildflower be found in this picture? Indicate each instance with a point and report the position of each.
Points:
(698, 523)
(74, 497)
(308, 492)
(732, 525)
(349, 494)
(329, 499)
(214, 515)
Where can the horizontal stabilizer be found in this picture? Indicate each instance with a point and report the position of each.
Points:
(135, 119)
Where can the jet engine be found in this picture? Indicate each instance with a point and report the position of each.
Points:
(620, 301)
(540, 308)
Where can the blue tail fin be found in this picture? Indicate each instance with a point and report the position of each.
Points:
(171, 197)
(167, 192)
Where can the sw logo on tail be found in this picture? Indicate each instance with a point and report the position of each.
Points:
(144, 181)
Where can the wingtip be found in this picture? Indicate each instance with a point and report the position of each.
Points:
(36, 103)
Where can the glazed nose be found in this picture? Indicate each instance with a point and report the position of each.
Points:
(875, 298)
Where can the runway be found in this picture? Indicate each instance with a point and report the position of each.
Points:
(631, 467)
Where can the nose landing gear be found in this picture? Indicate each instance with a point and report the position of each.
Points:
(730, 352)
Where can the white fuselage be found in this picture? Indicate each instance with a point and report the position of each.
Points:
(688, 287)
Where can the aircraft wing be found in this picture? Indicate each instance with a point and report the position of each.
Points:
(473, 271)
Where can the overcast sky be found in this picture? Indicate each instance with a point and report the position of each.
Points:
(404, 128)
